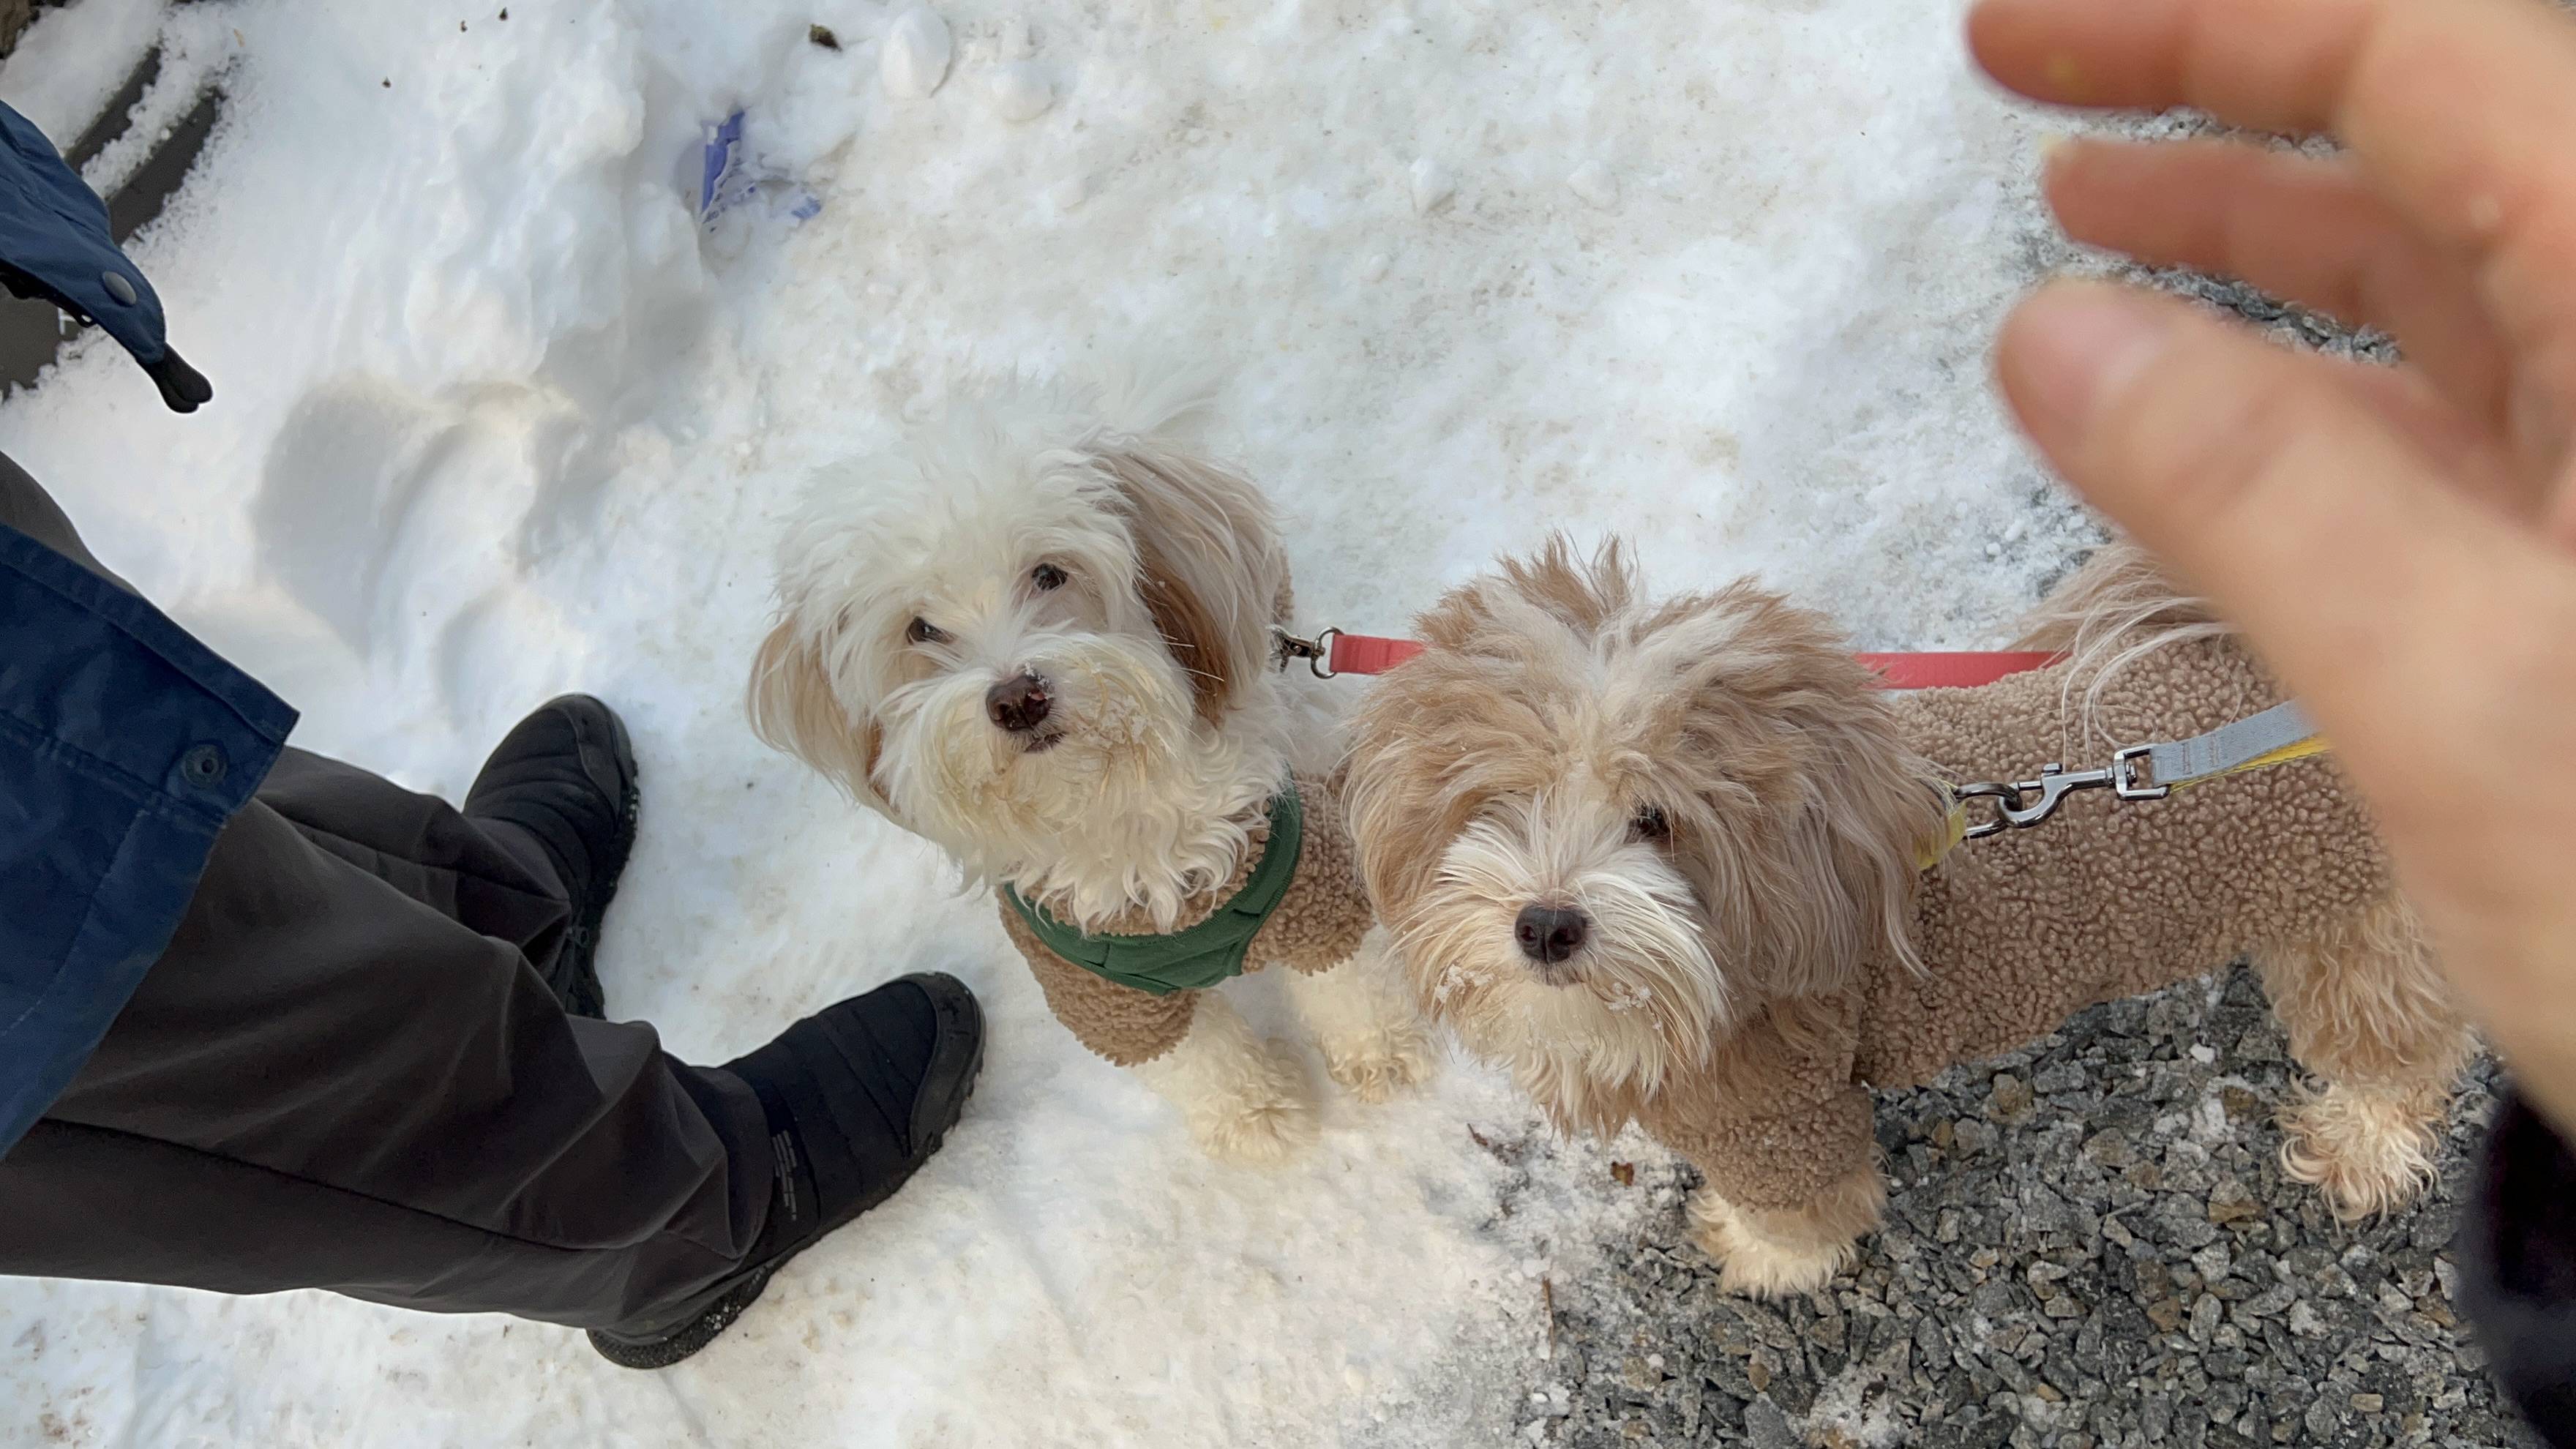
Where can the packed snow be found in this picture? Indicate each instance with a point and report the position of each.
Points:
(497, 415)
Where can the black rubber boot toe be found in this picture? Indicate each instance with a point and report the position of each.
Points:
(858, 1097)
(564, 780)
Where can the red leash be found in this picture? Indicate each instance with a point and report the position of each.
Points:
(1335, 652)
(1366, 653)
(1954, 670)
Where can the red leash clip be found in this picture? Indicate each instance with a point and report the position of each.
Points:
(1333, 652)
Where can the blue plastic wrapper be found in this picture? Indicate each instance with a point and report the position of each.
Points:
(728, 181)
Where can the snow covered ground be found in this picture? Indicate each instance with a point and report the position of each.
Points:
(496, 416)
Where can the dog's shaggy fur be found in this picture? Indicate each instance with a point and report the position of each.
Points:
(1736, 811)
(1079, 553)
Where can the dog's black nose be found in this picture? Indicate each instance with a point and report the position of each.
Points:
(1549, 934)
(1018, 705)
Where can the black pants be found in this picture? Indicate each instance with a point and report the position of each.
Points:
(347, 1073)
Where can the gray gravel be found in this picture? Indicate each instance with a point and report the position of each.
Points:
(2090, 1245)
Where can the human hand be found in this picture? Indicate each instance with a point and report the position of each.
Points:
(2399, 543)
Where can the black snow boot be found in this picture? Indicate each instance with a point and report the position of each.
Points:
(858, 1096)
(563, 780)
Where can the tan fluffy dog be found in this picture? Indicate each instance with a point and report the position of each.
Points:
(1658, 857)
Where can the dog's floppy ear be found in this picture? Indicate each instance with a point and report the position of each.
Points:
(1209, 566)
(794, 708)
(1403, 806)
(1813, 807)
(1432, 741)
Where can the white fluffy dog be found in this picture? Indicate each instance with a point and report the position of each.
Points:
(1041, 637)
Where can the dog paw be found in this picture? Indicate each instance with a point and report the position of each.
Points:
(1775, 1274)
(1386, 1063)
(2365, 1150)
(1758, 1264)
(1266, 1116)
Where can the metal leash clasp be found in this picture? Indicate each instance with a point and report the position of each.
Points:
(2015, 809)
(1317, 652)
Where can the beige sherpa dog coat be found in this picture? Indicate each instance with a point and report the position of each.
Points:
(1314, 928)
(1787, 799)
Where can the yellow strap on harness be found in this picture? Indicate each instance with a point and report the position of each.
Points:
(1929, 853)
(2312, 746)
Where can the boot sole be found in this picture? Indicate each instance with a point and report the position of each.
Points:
(670, 1348)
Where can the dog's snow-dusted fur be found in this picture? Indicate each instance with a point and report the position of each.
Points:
(1080, 542)
(1720, 789)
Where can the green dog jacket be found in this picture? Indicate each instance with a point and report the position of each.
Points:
(1195, 957)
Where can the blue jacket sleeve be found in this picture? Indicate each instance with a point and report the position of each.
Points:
(55, 245)
(124, 747)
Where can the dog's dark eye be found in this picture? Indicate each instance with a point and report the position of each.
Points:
(1649, 824)
(919, 631)
(1047, 577)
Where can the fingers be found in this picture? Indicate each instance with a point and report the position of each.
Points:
(2305, 229)
(2462, 455)
(2418, 629)
(2434, 80)
(2154, 54)
(2456, 110)
(2270, 485)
